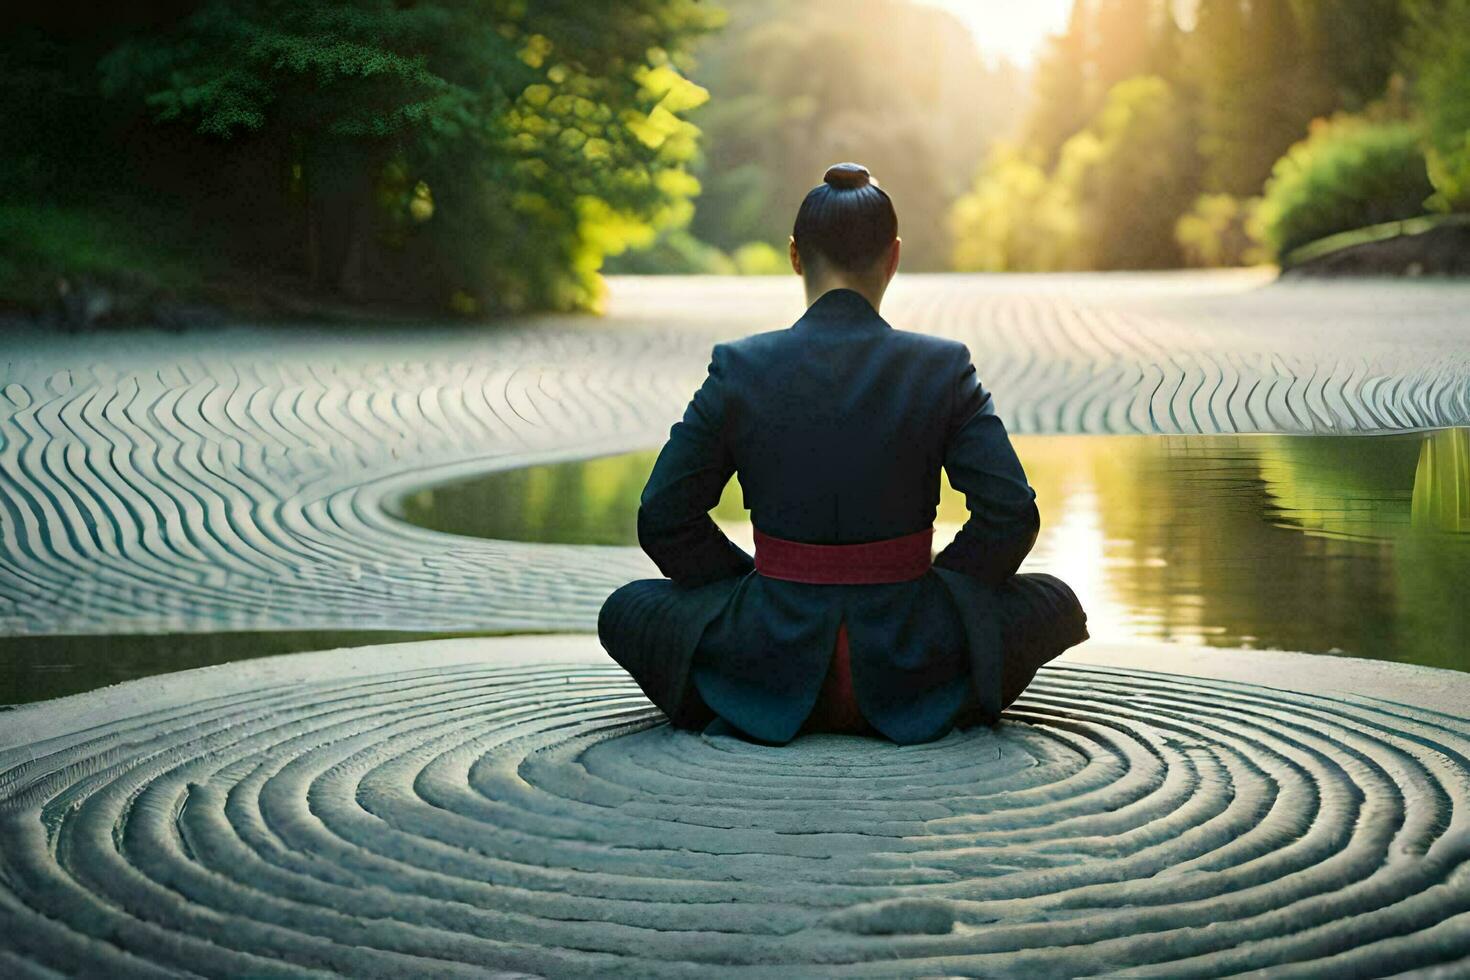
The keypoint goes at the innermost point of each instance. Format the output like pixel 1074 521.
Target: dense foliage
pixel 1130 154
pixel 1220 230
pixel 1086 213
pixel 795 87
pixel 494 155
pixel 1201 114
pixel 1350 172
pixel 1438 55
pixel 481 153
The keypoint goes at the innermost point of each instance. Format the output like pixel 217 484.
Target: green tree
pixel 1110 202
pixel 1152 138
pixel 1014 218
pixel 1060 91
pixel 795 88
pixel 1437 54
pixel 1130 174
pixel 490 151
pixel 1350 45
pixel 1217 232
pixel 1260 86
pixel 1105 42
pixel 1122 39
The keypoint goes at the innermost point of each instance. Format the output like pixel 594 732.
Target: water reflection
pixel 1441 500
pixel 1354 545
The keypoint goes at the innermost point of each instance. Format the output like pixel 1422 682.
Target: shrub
pixel 677 251
pixel 674 252
pixel 1216 232
pixel 46 249
pixel 760 259
pixel 1012 219
pixel 1349 172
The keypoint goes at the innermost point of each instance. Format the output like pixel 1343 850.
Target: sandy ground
pixel 459 806
pixel 234 480
pixel 467 806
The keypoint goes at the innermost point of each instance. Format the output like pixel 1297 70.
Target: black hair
pixel 845 222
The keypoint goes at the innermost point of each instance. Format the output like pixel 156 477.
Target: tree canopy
pixel 1151 138
pixel 895 85
pixel 484 152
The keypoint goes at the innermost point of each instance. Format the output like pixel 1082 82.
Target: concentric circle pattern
pixel 233 479
pixel 541 819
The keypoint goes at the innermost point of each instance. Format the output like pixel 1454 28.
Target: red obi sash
pixel 889 560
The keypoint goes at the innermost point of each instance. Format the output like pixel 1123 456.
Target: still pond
pixel 1357 545
pixel 1354 545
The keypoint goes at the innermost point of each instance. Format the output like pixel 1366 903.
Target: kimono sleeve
pixel 674 525
pixel 982 464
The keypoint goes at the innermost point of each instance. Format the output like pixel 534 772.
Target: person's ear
pixel 893 251
pixel 795 255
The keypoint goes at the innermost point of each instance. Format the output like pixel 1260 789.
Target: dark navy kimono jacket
pixel 838 426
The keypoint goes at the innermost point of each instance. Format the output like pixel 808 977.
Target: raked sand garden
pixel 1200 793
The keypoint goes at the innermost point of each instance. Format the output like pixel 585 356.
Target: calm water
pixel 1357 545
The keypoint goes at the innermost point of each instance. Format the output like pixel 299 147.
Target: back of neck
pixel 873 293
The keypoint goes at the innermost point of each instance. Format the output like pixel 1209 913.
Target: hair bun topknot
pixel 847 175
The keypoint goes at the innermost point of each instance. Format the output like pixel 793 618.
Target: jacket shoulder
pixel 750 348
pixel 756 341
pixel 758 347
pixel 940 346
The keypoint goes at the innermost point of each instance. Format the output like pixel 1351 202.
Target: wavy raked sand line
pixel 448 808
pixel 233 480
